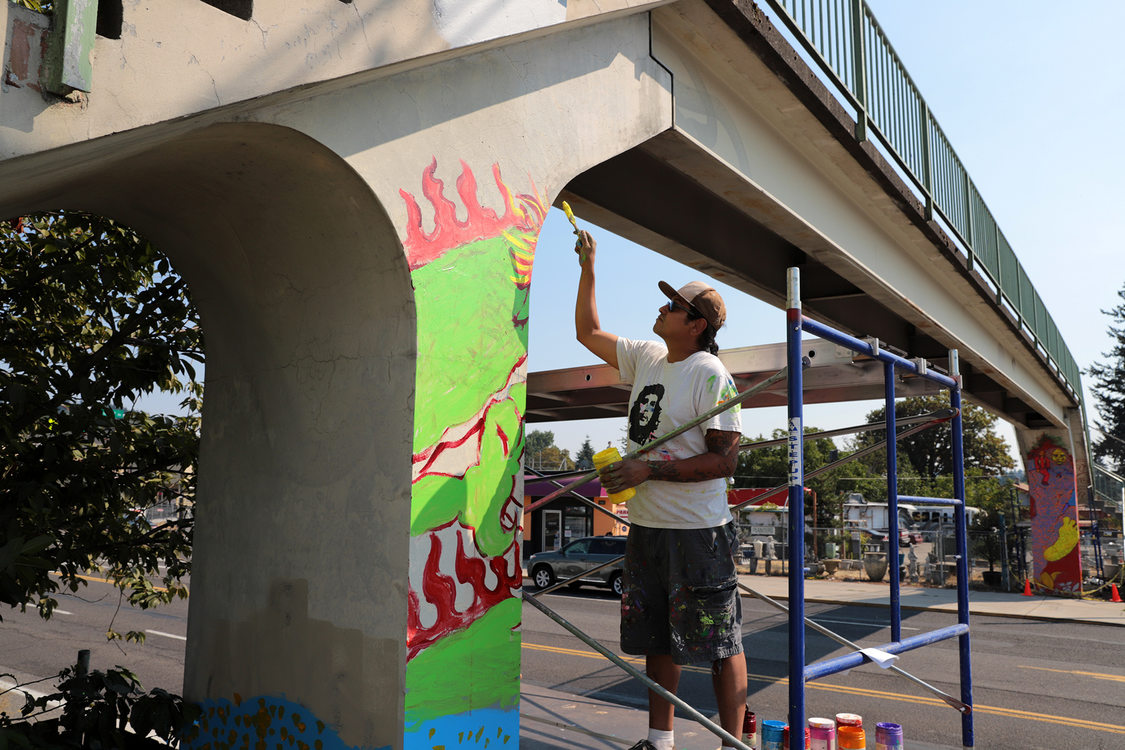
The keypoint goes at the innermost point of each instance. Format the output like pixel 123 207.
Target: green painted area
pixel 467 342
pixel 478 667
pixel 479 496
pixel 472 332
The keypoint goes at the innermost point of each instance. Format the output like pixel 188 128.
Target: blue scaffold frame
pixel 799 672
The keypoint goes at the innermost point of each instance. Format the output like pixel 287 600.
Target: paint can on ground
pixel 785 741
pixel 888 736
pixel 773 734
pixel 750 729
pixel 611 456
pixel 848 720
pixel 822 734
pixel 850 737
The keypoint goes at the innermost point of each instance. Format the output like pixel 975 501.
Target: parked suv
pixel 578 557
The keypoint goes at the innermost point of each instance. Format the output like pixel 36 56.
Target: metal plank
pixel 832 374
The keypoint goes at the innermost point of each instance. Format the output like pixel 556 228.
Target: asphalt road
pixel 31 648
pixel 1036 684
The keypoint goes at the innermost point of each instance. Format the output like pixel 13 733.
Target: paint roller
pixel 574 223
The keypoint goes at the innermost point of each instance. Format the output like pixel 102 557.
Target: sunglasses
pixel 673 305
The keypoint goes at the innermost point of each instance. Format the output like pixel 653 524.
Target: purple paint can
pixel 822 734
pixel 888 736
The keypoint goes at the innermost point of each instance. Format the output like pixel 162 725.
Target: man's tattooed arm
pixel 719 461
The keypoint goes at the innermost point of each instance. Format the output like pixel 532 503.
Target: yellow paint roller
pixel 570 216
pixel 574 223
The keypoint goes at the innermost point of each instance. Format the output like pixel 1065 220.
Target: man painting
pixel 680 603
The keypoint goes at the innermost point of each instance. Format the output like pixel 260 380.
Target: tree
pixel 1109 379
pixel 535 443
pixel 91 317
pixel 769 467
pixel 929 453
pixel 585 457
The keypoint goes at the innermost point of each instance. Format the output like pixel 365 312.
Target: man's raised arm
pixel 586 326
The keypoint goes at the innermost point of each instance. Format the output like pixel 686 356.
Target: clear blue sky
pixel 1031 98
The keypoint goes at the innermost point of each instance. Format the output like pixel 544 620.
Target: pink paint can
pixel 822 734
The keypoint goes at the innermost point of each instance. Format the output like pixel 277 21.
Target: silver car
pixel 578 557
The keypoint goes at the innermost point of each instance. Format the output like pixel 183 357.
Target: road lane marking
pixel 168 635
pixel 95 579
pixel 858 622
pixel 1095 675
pixel 1014 713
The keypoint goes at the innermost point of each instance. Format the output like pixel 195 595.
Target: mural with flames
pixel 1054 517
pixel 472 280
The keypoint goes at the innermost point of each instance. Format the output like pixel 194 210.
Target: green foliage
pixel 1109 379
pixel 91 317
pixel 585 457
pixel 541 453
pixel 769 467
pixel 929 453
pixel 92 710
pixel 537 441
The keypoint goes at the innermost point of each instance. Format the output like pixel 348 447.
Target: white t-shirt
pixel 665 396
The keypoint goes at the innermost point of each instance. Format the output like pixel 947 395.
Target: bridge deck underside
pixel 639 194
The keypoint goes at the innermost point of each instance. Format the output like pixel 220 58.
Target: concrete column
pixel 466 156
pixel 1056 562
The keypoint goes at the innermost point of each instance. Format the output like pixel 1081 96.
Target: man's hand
pixel 585 247
pixel 622 475
pixel 586 326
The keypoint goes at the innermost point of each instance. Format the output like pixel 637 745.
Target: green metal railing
pixel 845 40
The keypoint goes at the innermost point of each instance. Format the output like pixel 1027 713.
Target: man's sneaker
pixel 643 745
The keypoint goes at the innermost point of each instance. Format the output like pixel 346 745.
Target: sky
pixel 1033 101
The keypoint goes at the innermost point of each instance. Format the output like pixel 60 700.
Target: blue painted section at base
pixel 483 728
pixel 262 721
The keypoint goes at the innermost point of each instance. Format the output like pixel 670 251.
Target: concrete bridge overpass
pixel 354 191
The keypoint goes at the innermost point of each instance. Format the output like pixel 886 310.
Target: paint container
pixel 611 456
pixel 848 720
pixel 888 736
pixel 822 734
pixel 784 743
pixel 850 737
pixel 750 730
pixel 773 734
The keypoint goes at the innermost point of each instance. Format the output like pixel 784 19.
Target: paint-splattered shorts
pixel 681 594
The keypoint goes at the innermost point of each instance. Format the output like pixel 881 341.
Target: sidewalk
pixel 553 720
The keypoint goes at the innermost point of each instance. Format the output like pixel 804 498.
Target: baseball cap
pixel 701 298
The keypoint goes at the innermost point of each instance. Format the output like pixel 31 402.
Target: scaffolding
pixel 799 672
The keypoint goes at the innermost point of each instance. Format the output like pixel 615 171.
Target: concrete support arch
pixel 301 548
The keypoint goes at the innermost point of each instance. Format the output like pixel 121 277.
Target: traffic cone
pixel 1027 587
pixel 1114 595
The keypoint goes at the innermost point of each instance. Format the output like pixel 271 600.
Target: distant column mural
pixel 472 281
pixel 1054 517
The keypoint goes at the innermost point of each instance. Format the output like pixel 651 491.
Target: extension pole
pixel 866 427
pixel 727 738
pixel 718 409
pixel 934 419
